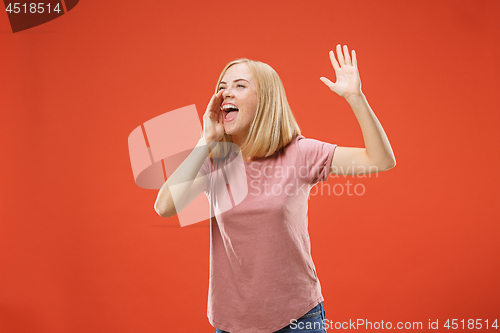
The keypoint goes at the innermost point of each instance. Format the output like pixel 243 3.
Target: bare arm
pixel 377 156
pixel 186 183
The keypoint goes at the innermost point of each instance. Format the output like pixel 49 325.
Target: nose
pixel 227 93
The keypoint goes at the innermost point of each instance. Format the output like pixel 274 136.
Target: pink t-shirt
pixel 261 271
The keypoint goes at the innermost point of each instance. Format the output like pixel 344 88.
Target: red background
pixel 81 247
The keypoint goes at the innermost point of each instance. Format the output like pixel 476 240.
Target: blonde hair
pixel 274 125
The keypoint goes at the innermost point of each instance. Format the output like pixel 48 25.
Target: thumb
pixel 327 82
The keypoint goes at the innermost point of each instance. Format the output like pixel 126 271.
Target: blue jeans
pixel 311 322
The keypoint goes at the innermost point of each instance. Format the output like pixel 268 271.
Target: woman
pixel 262 277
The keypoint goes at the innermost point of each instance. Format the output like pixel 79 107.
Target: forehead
pixel 238 71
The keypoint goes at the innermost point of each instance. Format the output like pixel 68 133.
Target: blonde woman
pixel 262 276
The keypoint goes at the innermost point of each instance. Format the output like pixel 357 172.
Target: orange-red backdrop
pixel 81 248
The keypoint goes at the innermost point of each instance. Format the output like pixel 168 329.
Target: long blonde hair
pixel 274 125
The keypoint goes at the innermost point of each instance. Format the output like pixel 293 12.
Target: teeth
pixel 228 106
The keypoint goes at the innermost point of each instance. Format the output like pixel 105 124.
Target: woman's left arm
pixel 378 155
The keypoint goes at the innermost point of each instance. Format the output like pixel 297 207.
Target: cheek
pixel 254 105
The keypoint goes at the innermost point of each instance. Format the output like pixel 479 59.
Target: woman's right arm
pixel 186 183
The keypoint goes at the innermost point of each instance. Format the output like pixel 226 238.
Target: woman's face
pixel 239 101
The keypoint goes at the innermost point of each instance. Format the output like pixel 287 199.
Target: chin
pixel 229 131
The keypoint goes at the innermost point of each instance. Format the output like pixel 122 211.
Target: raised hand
pixel 213 120
pixel 346 71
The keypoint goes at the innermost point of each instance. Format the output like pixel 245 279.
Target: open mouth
pixel 230 111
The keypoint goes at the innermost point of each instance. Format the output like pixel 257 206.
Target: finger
pixel 215 102
pixel 340 55
pixel 213 110
pixel 354 60
pixel 335 64
pixel 220 113
pixel 210 103
pixel 346 56
pixel 327 82
pixel 219 98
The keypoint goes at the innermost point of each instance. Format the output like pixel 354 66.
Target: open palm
pixel 346 71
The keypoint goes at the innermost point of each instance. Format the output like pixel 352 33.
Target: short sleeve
pixel 317 158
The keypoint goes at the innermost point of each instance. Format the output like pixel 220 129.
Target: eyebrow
pixel 221 82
